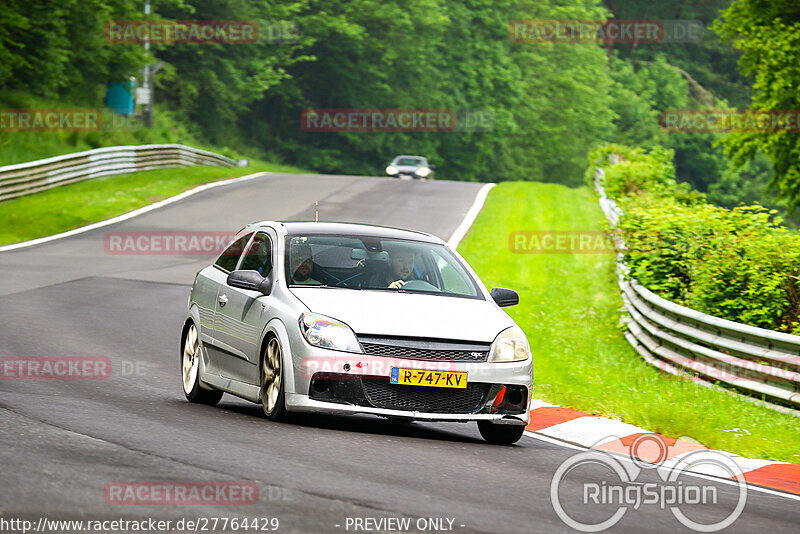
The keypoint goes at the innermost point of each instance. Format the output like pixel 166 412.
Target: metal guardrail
pixel 31 177
pixel 688 343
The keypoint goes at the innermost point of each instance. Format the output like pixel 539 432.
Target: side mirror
pixel 431 165
pixel 505 297
pixel 251 281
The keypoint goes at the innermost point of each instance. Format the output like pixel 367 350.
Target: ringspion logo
pixel 593 490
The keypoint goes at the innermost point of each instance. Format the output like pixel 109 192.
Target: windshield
pixel 373 263
pixel 410 162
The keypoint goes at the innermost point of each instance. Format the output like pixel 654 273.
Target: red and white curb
pixel 618 438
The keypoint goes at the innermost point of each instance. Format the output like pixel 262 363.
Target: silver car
pixel 345 318
pixel 410 167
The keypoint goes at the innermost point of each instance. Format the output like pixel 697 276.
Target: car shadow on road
pixel 365 424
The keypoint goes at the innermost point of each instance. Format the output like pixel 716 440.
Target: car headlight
pixel 510 345
pixel 328 333
pixel 391 169
pixel 423 171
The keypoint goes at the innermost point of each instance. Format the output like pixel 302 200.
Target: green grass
pixel 22 146
pixel 570 309
pixel 116 130
pixel 71 206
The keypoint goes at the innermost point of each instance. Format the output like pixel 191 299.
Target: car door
pixel 241 314
pixel 205 291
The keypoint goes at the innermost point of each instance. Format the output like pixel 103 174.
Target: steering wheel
pixel 420 285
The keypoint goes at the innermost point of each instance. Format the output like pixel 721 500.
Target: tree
pixel 214 85
pixel 768 34
pixel 54 47
pixel 550 101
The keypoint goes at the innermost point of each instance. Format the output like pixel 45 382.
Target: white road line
pixel 470 217
pixel 130 214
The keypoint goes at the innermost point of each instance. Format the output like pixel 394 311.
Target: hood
pixel 408 168
pixel 389 313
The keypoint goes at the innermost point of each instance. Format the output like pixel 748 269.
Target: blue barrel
pixel 119 97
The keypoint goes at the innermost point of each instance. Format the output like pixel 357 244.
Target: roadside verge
pixel 570 309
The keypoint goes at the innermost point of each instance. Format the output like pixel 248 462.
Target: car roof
pixel 409 156
pixel 349 229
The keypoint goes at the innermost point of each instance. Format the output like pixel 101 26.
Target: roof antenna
pixel 316 211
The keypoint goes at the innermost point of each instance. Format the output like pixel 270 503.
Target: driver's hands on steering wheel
pixel 397 284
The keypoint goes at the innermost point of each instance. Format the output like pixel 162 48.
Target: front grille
pixel 425 350
pixel 383 394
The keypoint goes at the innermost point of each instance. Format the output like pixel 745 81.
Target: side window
pixel 259 255
pixel 228 259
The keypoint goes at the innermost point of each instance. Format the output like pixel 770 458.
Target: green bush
pixel 740 264
pixel 632 172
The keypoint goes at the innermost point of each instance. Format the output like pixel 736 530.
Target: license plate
pixel 437 379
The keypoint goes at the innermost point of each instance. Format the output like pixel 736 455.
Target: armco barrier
pixel 26 178
pixel 685 342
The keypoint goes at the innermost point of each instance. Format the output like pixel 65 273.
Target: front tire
pixel 190 369
pixel 272 386
pixel 500 434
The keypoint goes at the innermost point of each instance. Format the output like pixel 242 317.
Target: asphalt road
pixel 63 441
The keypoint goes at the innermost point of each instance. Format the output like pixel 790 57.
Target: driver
pixel 301 264
pixel 401 265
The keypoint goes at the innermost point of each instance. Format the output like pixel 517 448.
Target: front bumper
pixel 304 403
pixel 408 176
pixel 358 371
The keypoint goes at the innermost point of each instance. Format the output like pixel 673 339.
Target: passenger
pixel 301 264
pixel 263 258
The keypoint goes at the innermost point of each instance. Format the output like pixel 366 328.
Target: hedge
pixel 740 264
